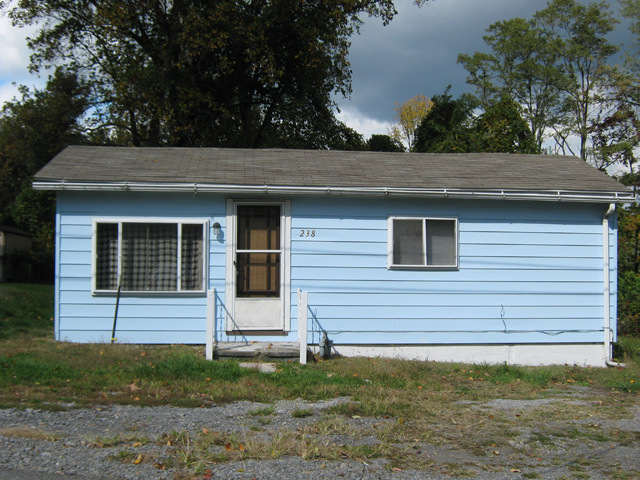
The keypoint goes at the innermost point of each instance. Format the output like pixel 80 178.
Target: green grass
pixel 627 349
pixel 25 309
pixel 35 370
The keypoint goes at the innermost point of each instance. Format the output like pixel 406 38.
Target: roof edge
pixel 504 194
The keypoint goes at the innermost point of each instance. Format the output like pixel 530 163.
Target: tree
pixel 502 129
pixel 408 118
pixel 451 127
pixel 554 65
pixel 384 143
pixel 578 37
pixel 521 65
pixel 447 126
pixel 616 131
pixel 32 131
pixel 195 73
pixel 629 263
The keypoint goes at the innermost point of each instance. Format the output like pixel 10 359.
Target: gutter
pixel 608 333
pixel 493 194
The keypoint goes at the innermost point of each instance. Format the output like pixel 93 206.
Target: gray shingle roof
pixel 306 168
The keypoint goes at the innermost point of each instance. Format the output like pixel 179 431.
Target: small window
pixel 423 242
pixel 149 256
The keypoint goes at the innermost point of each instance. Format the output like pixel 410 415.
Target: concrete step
pixel 264 350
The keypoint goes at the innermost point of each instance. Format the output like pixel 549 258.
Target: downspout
pixel 608 334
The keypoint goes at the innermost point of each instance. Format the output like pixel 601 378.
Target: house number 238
pixel 307 233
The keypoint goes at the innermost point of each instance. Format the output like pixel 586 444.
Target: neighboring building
pixel 467 257
pixel 13 242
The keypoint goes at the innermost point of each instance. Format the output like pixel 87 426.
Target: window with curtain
pixel 149 257
pixel 423 242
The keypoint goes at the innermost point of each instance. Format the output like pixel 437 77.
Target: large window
pixel 423 242
pixel 149 256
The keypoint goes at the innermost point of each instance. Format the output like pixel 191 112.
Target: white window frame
pixel 178 221
pixel 423 266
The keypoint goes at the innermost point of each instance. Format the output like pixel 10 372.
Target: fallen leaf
pixel 356 416
pixel 137 460
pixel 515 470
pixel 241 447
pixel 496 452
pixel 228 446
pixel 205 431
pixel 133 387
pixel 137 444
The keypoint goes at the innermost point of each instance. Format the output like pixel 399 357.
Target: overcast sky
pixel 415 53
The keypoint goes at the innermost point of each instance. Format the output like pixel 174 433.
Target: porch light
pixel 216 229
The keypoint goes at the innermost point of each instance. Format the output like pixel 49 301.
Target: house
pixel 13 244
pixel 453 257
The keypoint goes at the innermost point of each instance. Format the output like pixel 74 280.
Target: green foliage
pixel 384 143
pixel 629 303
pixel 450 127
pixel 502 129
pixel 235 74
pixel 447 125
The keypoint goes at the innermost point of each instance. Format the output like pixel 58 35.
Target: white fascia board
pixel 493 194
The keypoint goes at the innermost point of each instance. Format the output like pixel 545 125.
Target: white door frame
pixel 285 260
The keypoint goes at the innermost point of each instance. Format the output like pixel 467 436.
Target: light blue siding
pixel 528 273
pixel 141 318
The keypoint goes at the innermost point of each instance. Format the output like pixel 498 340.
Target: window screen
pixel 107 256
pixel 424 242
pixel 258 251
pixel 441 242
pixel 192 251
pixel 408 244
pixel 155 257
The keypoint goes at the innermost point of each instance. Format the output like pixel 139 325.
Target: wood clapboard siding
pixel 529 272
pixel 150 318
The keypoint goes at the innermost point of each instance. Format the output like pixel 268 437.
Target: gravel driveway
pixel 105 442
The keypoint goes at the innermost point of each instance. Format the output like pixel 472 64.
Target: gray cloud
pixel 417 51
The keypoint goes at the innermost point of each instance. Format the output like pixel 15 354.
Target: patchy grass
pixel 263 412
pixel 28 433
pixel 396 407
pixel 302 413
pixel 39 372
